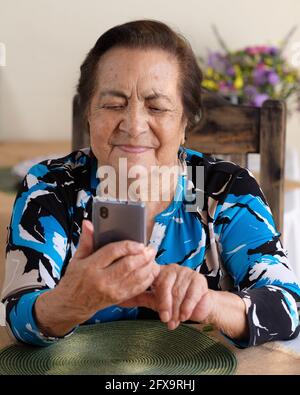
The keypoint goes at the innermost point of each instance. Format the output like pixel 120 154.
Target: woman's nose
pixel 134 122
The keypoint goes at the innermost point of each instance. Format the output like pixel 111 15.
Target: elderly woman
pixel 222 263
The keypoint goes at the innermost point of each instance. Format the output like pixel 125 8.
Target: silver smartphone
pixel 116 220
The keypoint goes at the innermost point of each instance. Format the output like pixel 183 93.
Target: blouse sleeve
pixel 252 253
pixel 36 251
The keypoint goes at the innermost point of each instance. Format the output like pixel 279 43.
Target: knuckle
pixel 187 304
pixel 201 280
pixel 129 264
pixel 176 292
pixel 137 276
pixel 173 267
pixel 127 245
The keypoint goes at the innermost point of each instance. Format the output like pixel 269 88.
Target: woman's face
pixel 136 111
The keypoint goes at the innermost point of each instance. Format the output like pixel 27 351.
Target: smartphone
pixel 116 220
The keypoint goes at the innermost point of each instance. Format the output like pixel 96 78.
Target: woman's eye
pixel 114 107
pixel 157 109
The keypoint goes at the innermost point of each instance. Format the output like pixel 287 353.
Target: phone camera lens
pixel 103 212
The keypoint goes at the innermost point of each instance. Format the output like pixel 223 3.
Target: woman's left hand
pixel 178 294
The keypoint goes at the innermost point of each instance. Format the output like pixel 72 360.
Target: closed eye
pixel 114 107
pixel 157 109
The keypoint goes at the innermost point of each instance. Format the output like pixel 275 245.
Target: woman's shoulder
pixel 60 172
pixel 211 163
pixel 222 177
pixel 70 162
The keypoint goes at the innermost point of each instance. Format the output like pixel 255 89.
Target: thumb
pixel 86 244
pixel 145 299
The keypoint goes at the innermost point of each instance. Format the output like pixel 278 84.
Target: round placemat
pixel 123 347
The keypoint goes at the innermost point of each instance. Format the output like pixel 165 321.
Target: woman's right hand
pixel 95 280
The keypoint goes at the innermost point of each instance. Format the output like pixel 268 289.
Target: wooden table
pixel 269 359
pixel 13 152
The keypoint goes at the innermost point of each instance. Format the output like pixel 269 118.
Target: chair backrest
pixel 234 130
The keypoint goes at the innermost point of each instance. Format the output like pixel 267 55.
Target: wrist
pixel 228 314
pixel 212 301
pixel 68 304
pixel 54 315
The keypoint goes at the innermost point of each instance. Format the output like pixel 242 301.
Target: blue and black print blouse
pixel 232 240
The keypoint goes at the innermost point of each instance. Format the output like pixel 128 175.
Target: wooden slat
pixel 225 128
pixel 80 135
pixel 272 149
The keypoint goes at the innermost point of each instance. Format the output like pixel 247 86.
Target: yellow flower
pixel 209 72
pixel 269 61
pixel 209 84
pixel 238 82
pixel 216 76
pixel 290 78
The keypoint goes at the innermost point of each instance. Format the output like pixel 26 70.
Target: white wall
pixel 46 41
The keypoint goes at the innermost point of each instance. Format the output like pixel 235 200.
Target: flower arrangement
pixel 252 75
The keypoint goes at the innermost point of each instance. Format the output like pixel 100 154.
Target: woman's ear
pixel 183 139
pixel 185 123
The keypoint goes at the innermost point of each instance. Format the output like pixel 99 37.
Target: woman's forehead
pixel 121 67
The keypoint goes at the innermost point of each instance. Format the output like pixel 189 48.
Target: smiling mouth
pixel 137 149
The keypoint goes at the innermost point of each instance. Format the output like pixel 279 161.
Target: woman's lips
pixel 137 149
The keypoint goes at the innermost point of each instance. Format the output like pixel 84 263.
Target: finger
pixel 85 246
pixel 136 283
pixel 163 292
pixel 145 299
pixel 173 324
pixel 204 307
pixel 179 290
pixel 106 255
pixel 193 295
pixel 140 280
pixel 127 265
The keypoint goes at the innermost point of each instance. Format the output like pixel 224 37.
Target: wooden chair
pixel 234 130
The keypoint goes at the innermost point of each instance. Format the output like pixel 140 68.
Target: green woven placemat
pixel 123 347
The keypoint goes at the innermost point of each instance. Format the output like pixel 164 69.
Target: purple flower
pixel 230 71
pixel 259 99
pixel 217 62
pixel 273 51
pixel 273 78
pixel 259 76
pixel 250 91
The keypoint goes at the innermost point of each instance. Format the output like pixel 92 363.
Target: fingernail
pixel 151 249
pixel 164 316
pixel 88 224
pixel 172 325
pixel 182 317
